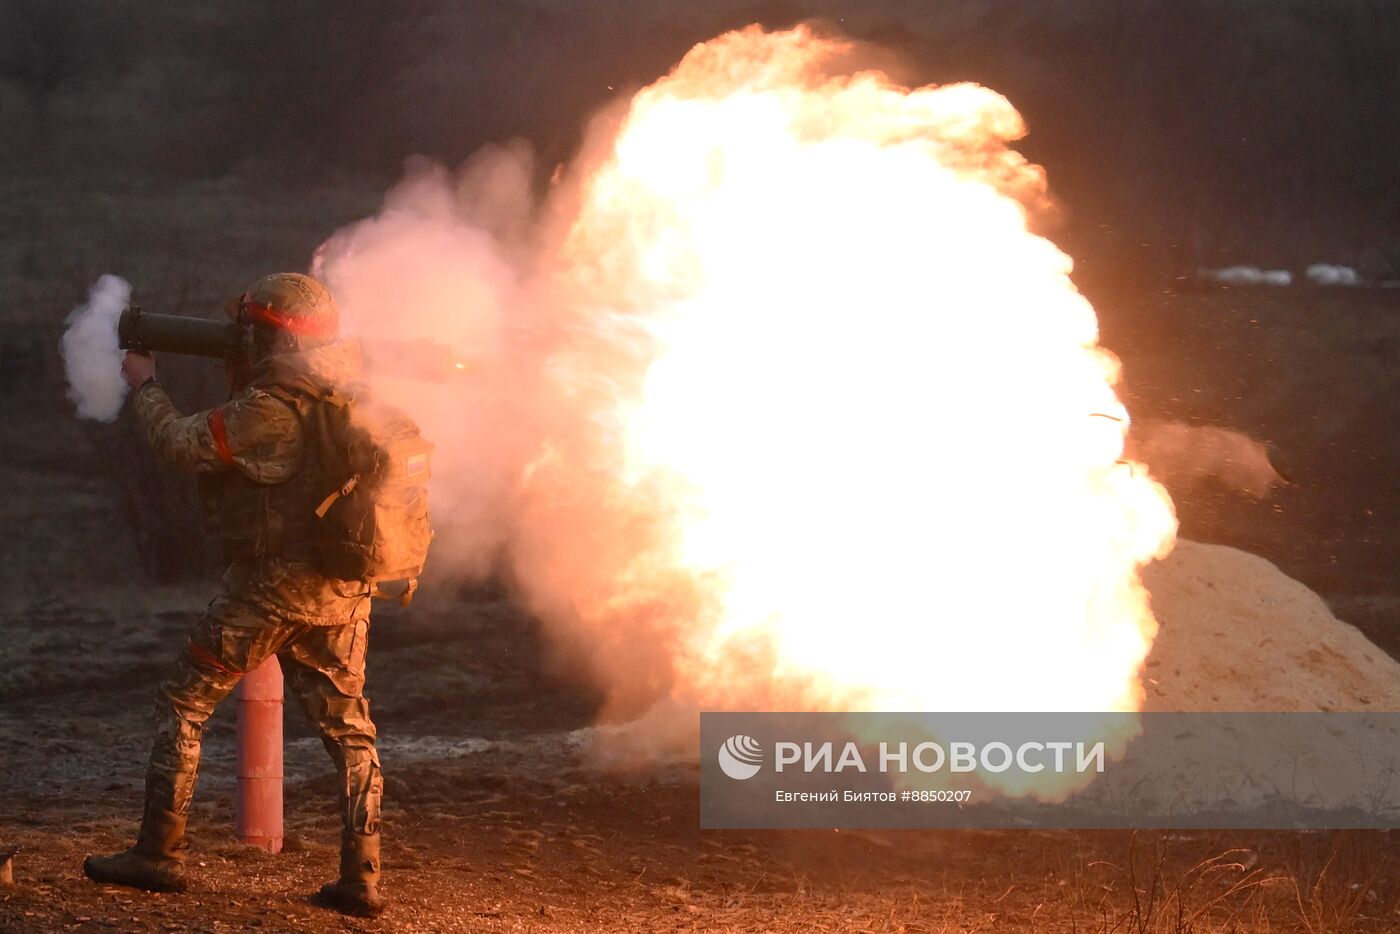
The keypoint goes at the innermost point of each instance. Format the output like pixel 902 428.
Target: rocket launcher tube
pixel 402 359
pixel 140 331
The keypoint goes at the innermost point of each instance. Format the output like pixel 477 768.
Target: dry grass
pixel 611 868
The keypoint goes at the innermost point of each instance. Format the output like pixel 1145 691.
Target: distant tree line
pixel 1176 132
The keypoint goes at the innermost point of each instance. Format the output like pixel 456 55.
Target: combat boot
pixel 357 891
pixel 156 863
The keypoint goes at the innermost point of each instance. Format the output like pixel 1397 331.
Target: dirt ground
pixel 495 819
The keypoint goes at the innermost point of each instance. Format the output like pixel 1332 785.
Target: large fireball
pixel 840 432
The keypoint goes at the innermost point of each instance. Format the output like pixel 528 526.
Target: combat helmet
pixel 287 311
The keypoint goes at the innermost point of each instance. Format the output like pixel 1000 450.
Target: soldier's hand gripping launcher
pixel 224 340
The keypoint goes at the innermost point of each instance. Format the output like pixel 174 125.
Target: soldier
pixel 263 477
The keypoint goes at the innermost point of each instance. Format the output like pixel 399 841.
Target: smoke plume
pixel 446 259
pixel 91 358
pixel 1184 454
pixel 756 416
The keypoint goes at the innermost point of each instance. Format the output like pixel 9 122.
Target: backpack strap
pixel 303 397
pixel 298 401
pixel 344 490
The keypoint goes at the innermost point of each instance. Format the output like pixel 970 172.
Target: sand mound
pixel 1238 634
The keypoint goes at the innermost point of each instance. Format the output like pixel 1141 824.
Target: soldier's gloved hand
pixel 137 368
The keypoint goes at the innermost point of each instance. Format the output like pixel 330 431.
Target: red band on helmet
pixel 308 327
pixel 220 435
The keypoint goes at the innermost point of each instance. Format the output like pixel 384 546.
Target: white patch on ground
pixel 1327 274
pixel 1249 275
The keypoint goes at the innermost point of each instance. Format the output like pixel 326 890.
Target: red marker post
pixel 257 811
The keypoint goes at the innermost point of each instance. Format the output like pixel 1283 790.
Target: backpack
pixel 373 526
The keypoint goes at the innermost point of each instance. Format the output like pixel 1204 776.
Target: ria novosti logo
pixel 740 757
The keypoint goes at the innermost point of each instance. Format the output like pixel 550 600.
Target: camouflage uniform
pixel 273 602
pixel 263 481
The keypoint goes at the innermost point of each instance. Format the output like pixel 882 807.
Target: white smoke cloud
pixel 445 260
pixel 91 358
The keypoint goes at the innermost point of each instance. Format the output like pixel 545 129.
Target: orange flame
pixel 775 402
pixel 844 443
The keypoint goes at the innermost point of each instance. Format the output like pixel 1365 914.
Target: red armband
pixel 220 436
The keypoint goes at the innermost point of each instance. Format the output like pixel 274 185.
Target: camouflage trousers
pixel 323 667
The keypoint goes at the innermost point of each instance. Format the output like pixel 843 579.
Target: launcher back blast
pixel 221 340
